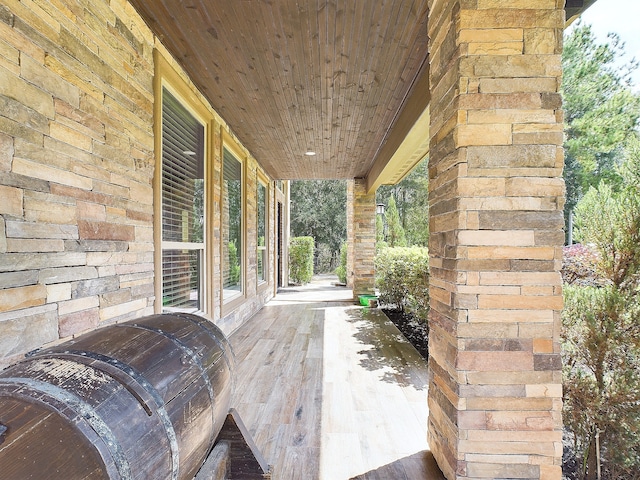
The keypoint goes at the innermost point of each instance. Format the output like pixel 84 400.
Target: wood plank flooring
pixel 332 391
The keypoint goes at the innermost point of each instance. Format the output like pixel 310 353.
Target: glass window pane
pixel 262 213
pixel 231 224
pixel 182 206
pixel 262 231
pixel 181 273
pixel 182 173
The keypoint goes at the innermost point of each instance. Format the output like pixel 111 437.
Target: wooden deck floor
pixel 332 391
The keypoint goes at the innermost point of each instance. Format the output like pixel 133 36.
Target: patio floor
pixel 332 391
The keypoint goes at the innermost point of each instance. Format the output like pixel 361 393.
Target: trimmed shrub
pixel 301 251
pixel 402 278
pixel 341 271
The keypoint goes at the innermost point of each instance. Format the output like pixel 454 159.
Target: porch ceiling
pixel 347 80
pixel 290 76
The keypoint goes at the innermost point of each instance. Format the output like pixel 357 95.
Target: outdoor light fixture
pixel 309 153
pixel 380 209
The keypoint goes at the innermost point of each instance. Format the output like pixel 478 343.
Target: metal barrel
pixel 143 399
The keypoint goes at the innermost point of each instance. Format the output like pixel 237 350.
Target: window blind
pixel 182 205
pixel 232 224
pixel 182 173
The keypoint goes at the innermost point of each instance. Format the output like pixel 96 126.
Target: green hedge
pixel 301 250
pixel 341 271
pixel 402 278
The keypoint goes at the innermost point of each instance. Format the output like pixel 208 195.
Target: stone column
pixel 361 237
pixel 350 231
pixel 496 199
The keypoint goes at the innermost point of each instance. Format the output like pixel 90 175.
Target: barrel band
pixel 223 343
pixel 84 411
pixel 213 332
pixel 194 358
pixel 114 368
pixel 185 348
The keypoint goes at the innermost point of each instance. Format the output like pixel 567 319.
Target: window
pixel 182 207
pixel 261 217
pixel 232 246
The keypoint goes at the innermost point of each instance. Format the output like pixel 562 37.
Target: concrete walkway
pixel 332 391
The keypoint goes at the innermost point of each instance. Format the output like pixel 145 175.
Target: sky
pixel 621 17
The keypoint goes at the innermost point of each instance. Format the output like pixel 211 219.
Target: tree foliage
pixel 395 236
pixel 602 386
pixel 601 334
pixel 341 270
pixel 611 221
pixel 411 196
pixel 234 266
pixel 601 110
pixel 318 210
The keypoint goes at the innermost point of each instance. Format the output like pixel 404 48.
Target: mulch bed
pixel 416 332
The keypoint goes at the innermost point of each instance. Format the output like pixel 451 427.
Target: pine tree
pixel 601 111
pixel 395 233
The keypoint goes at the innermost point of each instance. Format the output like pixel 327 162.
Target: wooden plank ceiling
pixel 296 75
pixel 345 79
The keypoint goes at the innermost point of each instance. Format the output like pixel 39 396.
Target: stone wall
pixel 496 199
pixel 350 231
pixel 76 173
pixel 76 236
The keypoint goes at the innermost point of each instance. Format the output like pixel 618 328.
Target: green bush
pixel 601 332
pixel 341 271
pixel 402 278
pixel 601 353
pixel 301 251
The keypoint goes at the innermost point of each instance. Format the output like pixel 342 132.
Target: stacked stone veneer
pixel 361 236
pixel 496 234
pixel 76 174
pixel 350 231
pixel 76 164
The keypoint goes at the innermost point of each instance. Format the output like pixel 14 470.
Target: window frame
pixel 166 78
pixel 262 180
pixel 186 246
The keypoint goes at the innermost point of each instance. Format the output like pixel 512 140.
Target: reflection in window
pixel 182 206
pixel 231 225
pixel 181 279
pixel 262 231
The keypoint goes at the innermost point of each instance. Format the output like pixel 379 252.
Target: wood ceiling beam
pixel 575 8
pixel 415 104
